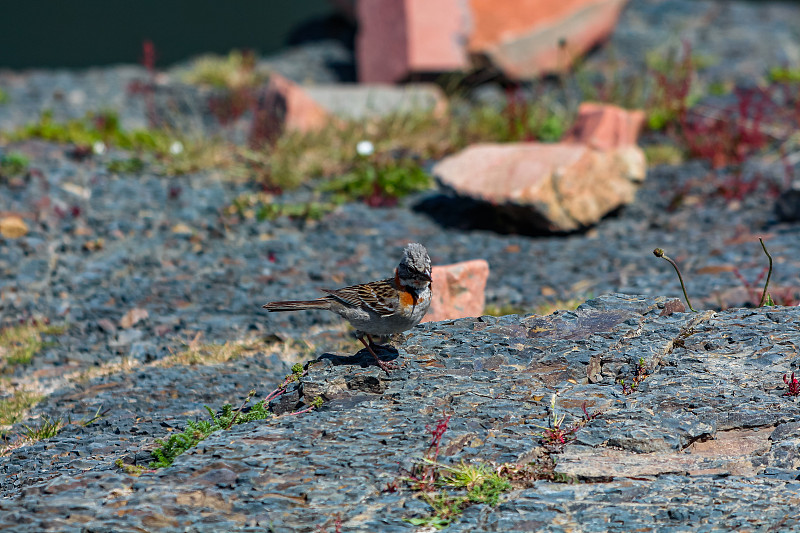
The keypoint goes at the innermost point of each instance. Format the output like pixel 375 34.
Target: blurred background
pixel 46 34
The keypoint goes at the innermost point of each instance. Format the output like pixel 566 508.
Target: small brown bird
pixel 384 307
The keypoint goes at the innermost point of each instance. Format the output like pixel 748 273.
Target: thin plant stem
pixel 658 252
pixel 302 411
pixel 769 274
pixel 274 394
pixel 238 411
pixel 316 403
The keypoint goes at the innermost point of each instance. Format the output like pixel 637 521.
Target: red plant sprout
pixel 269 188
pixel 556 436
pixel 753 289
pixel 148 57
pixel 673 87
pixel 436 435
pixel 728 135
pixel 424 474
pixel 80 152
pixel 736 187
pixel 268 110
pixel 785 296
pixel 337 525
pixel 516 113
pixel 228 107
pixel 732 134
pixel 147 88
pixel 297 373
pixel 35 322
pixel 379 199
pixel 315 404
pixel 641 375
pixel 793 384
pixel 235 101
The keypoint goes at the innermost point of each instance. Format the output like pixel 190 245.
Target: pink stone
pixel 286 106
pixel 605 126
pixel 400 37
pixel 557 187
pixel 527 38
pixel 458 290
pixel 133 317
pixel 435 35
pixel 523 38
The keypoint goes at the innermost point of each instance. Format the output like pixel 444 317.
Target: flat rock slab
pixel 707 441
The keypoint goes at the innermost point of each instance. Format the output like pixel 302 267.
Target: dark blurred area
pixel 48 34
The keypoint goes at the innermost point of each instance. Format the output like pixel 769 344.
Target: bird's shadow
pixel 362 358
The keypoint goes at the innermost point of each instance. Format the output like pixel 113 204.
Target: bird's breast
pixel 408 298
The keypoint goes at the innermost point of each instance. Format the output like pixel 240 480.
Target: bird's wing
pixel 378 296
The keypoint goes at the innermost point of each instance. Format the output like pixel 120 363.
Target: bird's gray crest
pixel 415 259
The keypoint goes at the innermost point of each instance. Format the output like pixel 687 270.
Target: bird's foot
pixel 385 365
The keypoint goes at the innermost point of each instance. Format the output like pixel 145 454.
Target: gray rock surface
pixel 360 102
pixel 707 441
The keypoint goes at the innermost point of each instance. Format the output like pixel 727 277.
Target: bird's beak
pixel 427 277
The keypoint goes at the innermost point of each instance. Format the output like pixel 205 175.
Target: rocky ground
pixel 707 441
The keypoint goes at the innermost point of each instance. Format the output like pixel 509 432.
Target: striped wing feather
pixel 379 296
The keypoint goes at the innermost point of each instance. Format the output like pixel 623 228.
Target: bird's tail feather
pixel 298 305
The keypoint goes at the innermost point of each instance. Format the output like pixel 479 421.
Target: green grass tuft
pixel 379 180
pixel 261 206
pixel 18 344
pixel 518 121
pixel 133 165
pixel 49 428
pixel 784 74
pixel 483 483
pixel 236 70
pixel 663 154
pixel 13 408
pixel 13 164
pixel 95 127
pixel 197 431
pixel 131 470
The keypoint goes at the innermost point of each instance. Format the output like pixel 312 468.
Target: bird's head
pixel 414 269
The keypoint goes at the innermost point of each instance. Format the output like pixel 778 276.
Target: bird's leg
pixel 374 344
pixel 371 342
pixel 385 366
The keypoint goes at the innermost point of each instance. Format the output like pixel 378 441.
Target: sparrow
pixel 383 307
